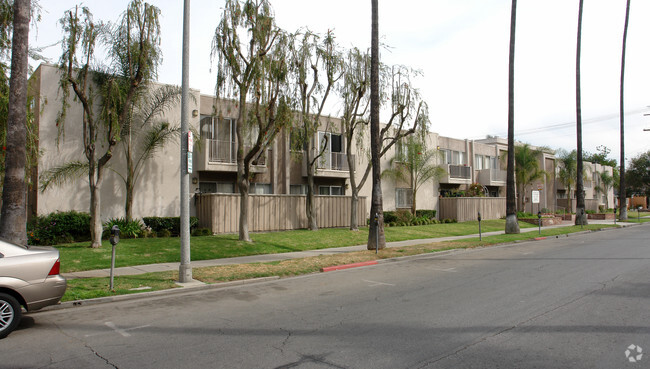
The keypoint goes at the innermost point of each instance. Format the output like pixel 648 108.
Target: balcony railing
pixel 334 161
pixel 460 172
pixel 226 152
pixel 498 175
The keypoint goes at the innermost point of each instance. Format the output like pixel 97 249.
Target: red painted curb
pixel 348 266
pixel 539 238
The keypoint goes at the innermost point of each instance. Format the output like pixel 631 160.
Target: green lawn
pixel 78 256
pixel 79 289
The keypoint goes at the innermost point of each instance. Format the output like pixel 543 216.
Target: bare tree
pixel 512 226
pixel 13 217
pixel 311 56
pixel 251 68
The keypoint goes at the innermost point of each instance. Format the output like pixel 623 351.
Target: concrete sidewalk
pixel 163 267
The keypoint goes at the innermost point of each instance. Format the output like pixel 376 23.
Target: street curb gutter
pixel 142 295
pixel 348 266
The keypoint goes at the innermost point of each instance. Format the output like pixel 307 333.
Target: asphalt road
pixel 576 302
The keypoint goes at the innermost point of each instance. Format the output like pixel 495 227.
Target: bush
pixel 172 224
pixel 164 233
pixel 202 232
pixel 390 217
pixel 59 227
pixel 132 229
pixel 428 214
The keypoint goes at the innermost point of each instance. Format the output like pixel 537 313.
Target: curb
pixel 143 295
pixel 348 266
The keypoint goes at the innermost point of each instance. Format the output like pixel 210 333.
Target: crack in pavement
pixel 86 345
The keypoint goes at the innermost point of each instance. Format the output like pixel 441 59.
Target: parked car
pixel 29 277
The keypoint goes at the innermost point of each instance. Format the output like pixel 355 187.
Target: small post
pixel 114 240
pixel 614 214
pixel 480 236
pixel 638 213
pixel 377 234
pixel 539 222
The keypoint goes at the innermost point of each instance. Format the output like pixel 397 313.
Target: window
pixel 403 197
pixel 330 190
pixel 260 189
pixel 216 187
pixel 455 157
pixel 300 189
pixel 478 162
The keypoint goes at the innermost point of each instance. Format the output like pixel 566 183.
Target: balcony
pixel 457 174
pixel 330 164
pixel 492 177
pixel 221 156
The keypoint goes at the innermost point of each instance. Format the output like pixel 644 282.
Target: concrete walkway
pixel 163 267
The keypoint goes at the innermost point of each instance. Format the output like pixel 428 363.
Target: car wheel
pixel 9 314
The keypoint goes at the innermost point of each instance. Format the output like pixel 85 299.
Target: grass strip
pixel 80 289
pixel 130 252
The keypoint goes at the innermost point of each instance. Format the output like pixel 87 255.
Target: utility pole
pixel 185 269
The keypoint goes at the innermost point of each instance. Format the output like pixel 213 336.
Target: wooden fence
pixel 464 209
pixel 220 212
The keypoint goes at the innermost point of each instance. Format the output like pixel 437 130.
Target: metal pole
pixel 185 269
pixel 112 268
pixel 480 235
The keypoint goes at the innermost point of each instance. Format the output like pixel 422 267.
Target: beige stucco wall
pixel 157 192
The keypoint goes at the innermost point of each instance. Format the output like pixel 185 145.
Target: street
pixel 571 302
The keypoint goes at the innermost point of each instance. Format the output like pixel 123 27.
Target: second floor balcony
pixel 221 156
pixel 492 177
pixel 457 174
pixel 330 164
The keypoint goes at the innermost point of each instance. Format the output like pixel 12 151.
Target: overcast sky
pixel 461 46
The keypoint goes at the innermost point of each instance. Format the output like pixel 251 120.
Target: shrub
pixel 404 216
pixel 172 224
pixel 128 229
pixel 164 233
pixel 601 208
pixel 428 214
pixel 390 217
pixel 202 232
pixel 59 227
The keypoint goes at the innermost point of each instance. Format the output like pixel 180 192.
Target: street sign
pixel 540 186
pixel 190 142
pixel 189 162
pixel 535 195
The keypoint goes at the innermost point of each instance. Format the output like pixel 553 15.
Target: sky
pixel 461 47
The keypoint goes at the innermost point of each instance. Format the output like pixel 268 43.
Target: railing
pixel 497 175
pixel 334 161
pixel 226 152
pixel 460 172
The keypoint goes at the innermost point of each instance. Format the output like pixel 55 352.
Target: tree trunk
pixel 312 221
pixel 130 187
pixel 95 217
pixel 621 192
pixel 581 216
pixel 354 208
pixel 243 183
pixel 376 239
pixel 13 216
pixel 512 226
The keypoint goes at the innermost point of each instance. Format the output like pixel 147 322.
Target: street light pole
pixel 185 269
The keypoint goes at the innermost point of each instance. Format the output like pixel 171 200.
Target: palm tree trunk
pixel 376 237
pixel 13 218
pixel 581 216
pixel 622 195
pixel 511 202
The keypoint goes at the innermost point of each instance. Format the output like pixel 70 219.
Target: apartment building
pixel 279 170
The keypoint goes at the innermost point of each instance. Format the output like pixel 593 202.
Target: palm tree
pixel 415 165
pixel 621 193
pixel 13 217
pixel 376 237
pixel 511 203
pixel 527 170
pixel 567 173
pixel 581 216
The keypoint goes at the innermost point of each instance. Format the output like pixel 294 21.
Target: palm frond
pixel 59 175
